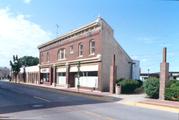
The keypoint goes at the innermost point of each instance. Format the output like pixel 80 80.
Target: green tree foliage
pixel 29 61
pixel 172 90
pixel 151 87
pixel 128 86
pixel 15 66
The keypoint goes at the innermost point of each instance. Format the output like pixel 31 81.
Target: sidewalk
pixel 73 90
pixel 98 95
pixel 142 101
pixel 165 105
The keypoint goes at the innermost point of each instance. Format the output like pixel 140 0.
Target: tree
pixel 4 72
pixel 29 61
pixel 15 66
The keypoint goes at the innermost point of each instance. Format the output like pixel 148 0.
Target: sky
pixel 142 27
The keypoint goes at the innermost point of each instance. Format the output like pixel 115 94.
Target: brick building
pixel 88 49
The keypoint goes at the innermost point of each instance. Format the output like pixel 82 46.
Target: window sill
pixel 61 59
pixel 93 54
pixel 80 56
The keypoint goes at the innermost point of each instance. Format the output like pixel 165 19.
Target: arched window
pixel 47 57
pixel 80 49
pixel 61 54
pixel 71 49
pixel 41 57
pixel 92 47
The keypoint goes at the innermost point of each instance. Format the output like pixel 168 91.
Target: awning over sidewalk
pixel 92 67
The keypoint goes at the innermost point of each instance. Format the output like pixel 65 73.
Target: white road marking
pixel 37 106
pixel 41 98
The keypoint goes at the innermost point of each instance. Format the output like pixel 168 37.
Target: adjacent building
pixel 88 51
pixel 172 75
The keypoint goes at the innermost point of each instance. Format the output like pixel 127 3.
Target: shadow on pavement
pixel 78 99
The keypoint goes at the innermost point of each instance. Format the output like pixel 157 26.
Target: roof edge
pixel 89 25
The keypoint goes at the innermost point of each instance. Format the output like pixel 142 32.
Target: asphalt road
pixel 28 102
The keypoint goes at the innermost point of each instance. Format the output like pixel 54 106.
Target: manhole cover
pixel 37 106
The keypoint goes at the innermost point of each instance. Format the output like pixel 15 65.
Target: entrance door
pixel 71 81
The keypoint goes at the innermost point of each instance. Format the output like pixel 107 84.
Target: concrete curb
pixel 152 106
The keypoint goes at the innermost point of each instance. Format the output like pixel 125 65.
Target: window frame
pixel 47 56
pixel 71 49
pixel 80 49
pixel 59 54
pixel 92 49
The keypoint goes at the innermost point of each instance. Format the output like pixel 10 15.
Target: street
pixel 21 102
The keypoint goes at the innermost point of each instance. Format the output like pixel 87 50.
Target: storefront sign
pixel 44 70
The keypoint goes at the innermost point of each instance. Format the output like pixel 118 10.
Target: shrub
pixel 172 90
pixel 119 80
pixel 172 94
pixel 172 82
pixel 140 83
pixel 128 86
pixel 151 87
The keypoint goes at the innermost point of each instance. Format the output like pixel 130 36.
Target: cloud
pixel 18 35
pixel 27 1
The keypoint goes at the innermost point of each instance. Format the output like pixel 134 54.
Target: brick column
pixel 100 88
pixel 67 75
pixel 54 76
pixel 50 75
pixel 164 75
pixel 39 77
pixel 113 69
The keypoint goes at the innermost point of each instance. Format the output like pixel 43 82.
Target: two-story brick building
pixel 88 49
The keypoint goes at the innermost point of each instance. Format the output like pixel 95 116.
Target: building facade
pixel 172 75
pixel 29 74
pixel 83 58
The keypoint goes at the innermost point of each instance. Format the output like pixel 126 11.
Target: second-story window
pixel 41 57
pixel 47 57
pixel 92 47
pixel 80 49
pixel 61 54
pixel 71 49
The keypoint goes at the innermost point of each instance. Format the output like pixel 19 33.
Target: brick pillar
pixel 112 83
pixel 100 87
pixel 67 75
pixel 54 76
pixel 164 75
pixel 50 75
pixel 39 77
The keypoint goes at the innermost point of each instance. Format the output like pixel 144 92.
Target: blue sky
pixel 142 27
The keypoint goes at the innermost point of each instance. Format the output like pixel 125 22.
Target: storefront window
pixel 61 74
pixel 45 77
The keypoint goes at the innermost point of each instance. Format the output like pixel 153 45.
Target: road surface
pixel 29 102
